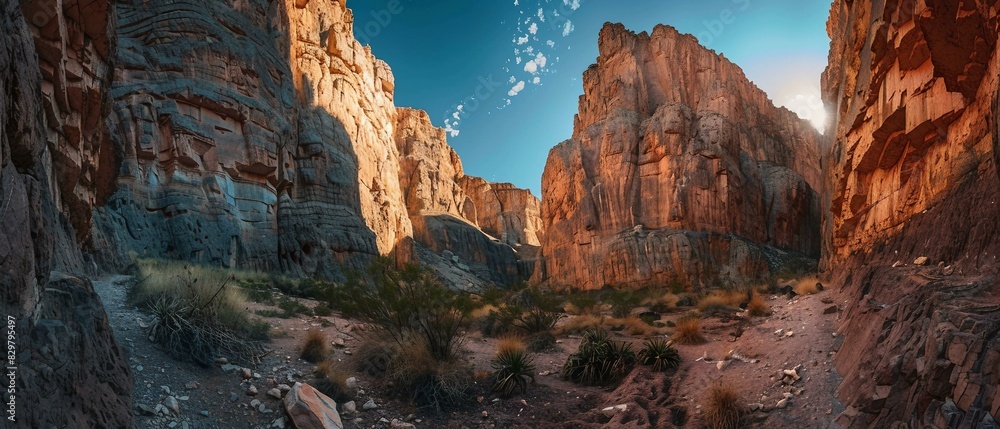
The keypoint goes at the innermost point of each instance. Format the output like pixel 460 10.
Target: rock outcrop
pixel 52 90
pixel 262 135
pixel 679 170
pixel 912 172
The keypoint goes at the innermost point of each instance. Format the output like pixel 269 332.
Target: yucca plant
pixel 657 353
pixel 512 370
pixel 599 361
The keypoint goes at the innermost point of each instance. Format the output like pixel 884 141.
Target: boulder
pixel 310 409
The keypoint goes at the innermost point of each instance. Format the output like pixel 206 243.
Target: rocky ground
pixel 799 335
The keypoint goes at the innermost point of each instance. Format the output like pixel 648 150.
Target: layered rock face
pixel 54 56
pixel 262 135
pixel 679 170
pixel 915 88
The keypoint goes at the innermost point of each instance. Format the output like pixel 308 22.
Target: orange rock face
pixel 679 170
pixel 912 173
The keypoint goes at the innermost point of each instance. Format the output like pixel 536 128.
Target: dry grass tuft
pixel 724 408
pixel 332 381
pixel 758 306
pixel 636 326
pixel 806 286
pixel 662 303
pixel 510 344
pixel 314 347
pixel 688 331
pixel 580 324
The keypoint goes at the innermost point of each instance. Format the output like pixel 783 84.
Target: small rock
pixel 191 385
pixel 255 403
pixel 284 388
pixel 370 405
pixel 339 343
pixel 782 403
pixel 755 407
pixel 789 333
pixel 172 405
pixel 221 361
pixel 274 393
pixel 350 407
pixel 831 309
pixel 722 364
pixel 486 415
pixel 161 410
pixel 184 398
pixel 399 424
pixel 949 270
pixel 229 367
pixel 611 411
pixel 347 352
pixel 138 368
pixel 545 373
pixel 204 413
pixel 921 261
pixel 247 374
pixel 146 410
pixel 165 389
pixel 351 382
pixel 383 420
pixel 252 391
pixel 233 397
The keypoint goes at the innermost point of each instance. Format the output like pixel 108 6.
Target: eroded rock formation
pixel 913 173
pixel 54 56
pixel 679 170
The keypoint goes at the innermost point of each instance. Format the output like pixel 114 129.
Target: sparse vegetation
pixel 428 382
pixel 806 286
pixel 513 367
pixel 724 408
pixel 314 347
pixel 658 354
pixel 757 307
pixel 688 331
pixel 722 301
pixel 332 382
pixel 581 324
pixel 199 314
pixel 599 361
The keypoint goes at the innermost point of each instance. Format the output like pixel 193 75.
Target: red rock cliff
pixel 679 170
pixel 912 173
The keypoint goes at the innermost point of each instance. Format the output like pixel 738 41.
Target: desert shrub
pixel 429 383
pixel 512 367
pixel 199 313
pixel 724 408
pixel 540 342
pixel 757 306
pixel 582 303
pixel 373 356
pixel 322 310
pixel 408 305
pixel 722 301
pixel 314 347
pixel 599 361
pixel 662 303
pixel 332 381
pixel 658 354
pixel 688 331
pixel 622 302
pixel 806 286
pixel 529 311
pixel 634 325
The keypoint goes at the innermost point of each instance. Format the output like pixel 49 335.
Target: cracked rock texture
pixel 914 87
pixel 679 171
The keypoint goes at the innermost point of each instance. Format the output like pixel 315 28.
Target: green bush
pixel 659 355
pixel 512 370
pixel 407 305
pixel 599 361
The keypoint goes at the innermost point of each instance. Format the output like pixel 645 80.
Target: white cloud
pixel 517 60
pixel 533 29
pixel 550 43
pixel 531 67
pixel 540 60
pixel 512 79
pixel 536 80
pixel 568 28
pixel 522 40
pixel 573 4
pixel 516 89
pixel 541 14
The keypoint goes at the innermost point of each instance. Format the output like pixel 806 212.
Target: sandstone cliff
pixel 679 170
pixel 262 135
pixel 54 57
pixel 913 173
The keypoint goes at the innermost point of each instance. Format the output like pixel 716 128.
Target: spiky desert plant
pixel 314 347
pixel 724 408
pixel 512 367
pixel 657 353
pixel 599 361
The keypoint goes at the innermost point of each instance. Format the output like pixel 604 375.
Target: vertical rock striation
pixel 679 170
pixel 912 172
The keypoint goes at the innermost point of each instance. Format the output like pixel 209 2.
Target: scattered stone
pixel 370 405
pixel 138 368
pixel 284 388
pixel 252 391
pixel 949 270
pixel 165 389
pixel 247 374
pixel 172 405
pixel 191 385
pixel 831 309
pixel 351 382
pixel 789 333
pixel 255 403
pixel 722 364
pixel 310 409
pixel 184 398
pixel 350 407
pixel 229 367
pixel 274 393
pixel 611 411
pixel 263 408
pixel 399 424
pixel 383 421
pixel 347 352
pixel 278 423
pixel 921 261
pixel 204 413
pixel 755 407
pixel 339 343
pixel 233 397
pixel 486 415
pixel 221 361
pixel 146 410
pixel 782 403
pixel 161 410
pixel 545 373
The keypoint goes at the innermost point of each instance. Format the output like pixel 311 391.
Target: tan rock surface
pixel 310 409
pixel 912 173
pixel 679 170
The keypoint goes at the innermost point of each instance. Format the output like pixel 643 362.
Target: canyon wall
pixel 914 87
pixel 261 135
pixel 679 171
pixel 54 57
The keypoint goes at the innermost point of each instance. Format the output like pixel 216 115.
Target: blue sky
pixel 470 60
